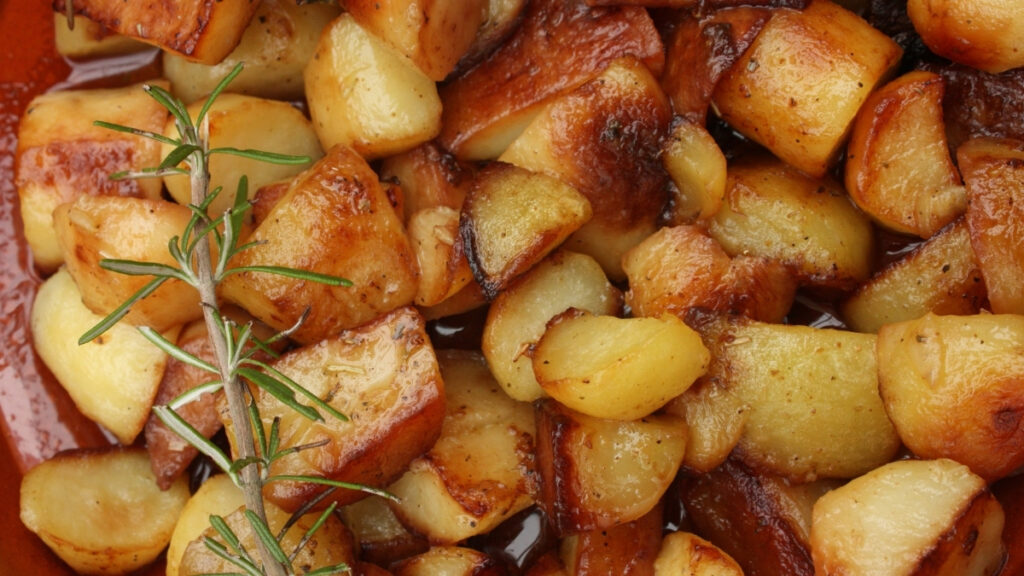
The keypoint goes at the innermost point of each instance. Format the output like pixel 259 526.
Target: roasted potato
pixel 983 35
pixel 686 554
pixel 698 170
pixel 629 548
pixel 381 537
pixel 449 561
pixel 218 495
pixel 88 39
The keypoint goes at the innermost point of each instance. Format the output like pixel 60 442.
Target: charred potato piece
pixel 558 46
pixel 611 125
pixel 956 528
pixel 384 377
pixel 513 218
pixel 798 87
pixel 335 219
pixel 519 315
pixel 898 167
pixel 481 471
pixel 61 155
pixel 629 548
pixel 951 385
pixel 101 511
pixel 994 173
pixel 200 30
pixel 598 473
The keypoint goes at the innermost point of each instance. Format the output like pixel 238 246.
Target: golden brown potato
pixel 952 387
pixel 686 554
pixel 774 210
pixel 940 276
pixel 112 379
pixel 984 35
pixel 481 471
pixel 993 171
pixel 617 368
pixel 101 511
pixel 898 168
pixel 200 30
pixel 809 398
pixel 500 20
pixel 364 94
pixel 798 87
pixel 955 529
pixel 335 219
pixel 93 228
pixel 604 139
pixel 61 155
pixel 444 270
pixel 381 537
pixel 558 46
pixel 513 218
pixel 429 177
pixel 762 521
pixel 449 561
pixel 90 39
pixel 628 549
pixel 519 315
pixel 698 170
pixel 598 473
pixel 274 48
pixel 218 495
pixel 330 545
pixel 434 34
pixel 681 268
pixel 384 377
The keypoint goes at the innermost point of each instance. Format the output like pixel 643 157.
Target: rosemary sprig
pixel 235 347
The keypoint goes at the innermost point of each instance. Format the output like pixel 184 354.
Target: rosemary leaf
pixel 312 530
pixel 287 381
pixel 176 352
pixel 293 273
pixel 179 426
pixel 136 132
pixel 136 268
pixel 263 156
pixel 336 483
pixel 173 105
pixel 121 311
pixel 263 533
pixel 194 393
pixel 217 548
pixel 221 86
pixel 178 155
pixel 280 391
pixel 327 570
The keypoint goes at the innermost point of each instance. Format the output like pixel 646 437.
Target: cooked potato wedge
pixel 429 177
pixel 809 398
pixel 218 495
pixel 501 18
pixel 201 30
pixel 898 167
pixel 513 218
pixel 364 94
pixel 993 171
pixel 617 368
pixel 335 219
pixel 444 270
pixel 940 276
pixel 798 87
pixel 698 170
pixel 384 377
pixel 984 35
pixel 952 387
pixel 598 473
pixel 558 46
pixel 275 47
pixel 612 124
pixel 449 561
pixel 481 470
pixel 956 528
pixel 61 155
pixel 686 554
pixel 519 315
pixel 101 511
pixel 330 545
pixel 678 269
pixel 94 228
pixel 628 548
pixel 112 379
pixel 774 210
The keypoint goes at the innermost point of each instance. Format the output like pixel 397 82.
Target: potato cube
pixel 686 554
pixel 364 94
pixel 90 39
pixel 983 35
pixel 797 89
pixel 61 155
pixel 101 511
pixel 335 219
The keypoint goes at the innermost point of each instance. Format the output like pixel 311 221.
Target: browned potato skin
pixel 737 509
pixel 797 89
pixel 336 219
pixel 201 30
pixel 939 276
pixel 952 387
pixel 429 177
pixel 686 554
pixel 629 549
pixel 983 35
pixel 567 43
pixel 449 561
pixel 440 253
pixel 381 538
pixel 681 268
pixel 500 21
pixel 571 493
pixel 993 170
pixel 385 431
pixel 701 51
pixel 898 167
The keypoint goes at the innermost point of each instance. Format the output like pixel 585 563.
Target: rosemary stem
pixel 250 481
